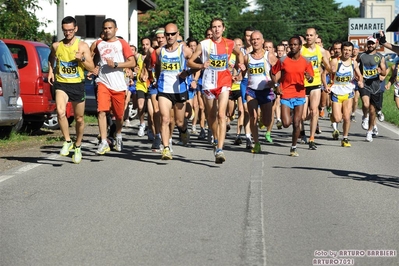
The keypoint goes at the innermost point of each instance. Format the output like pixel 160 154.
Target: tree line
pixel 276 19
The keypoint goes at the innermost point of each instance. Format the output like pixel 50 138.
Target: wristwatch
pixel 115 64
pixel 83 59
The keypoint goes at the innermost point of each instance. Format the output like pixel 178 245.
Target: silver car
pixel 10 101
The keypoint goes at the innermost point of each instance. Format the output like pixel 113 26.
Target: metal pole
pixel 60 16
pixel 186 19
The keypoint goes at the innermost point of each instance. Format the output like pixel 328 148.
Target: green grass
pixel 389 109
pixel 91 119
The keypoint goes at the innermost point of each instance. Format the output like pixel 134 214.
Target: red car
pixel 36 93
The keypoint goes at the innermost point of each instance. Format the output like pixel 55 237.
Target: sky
pixel 356 3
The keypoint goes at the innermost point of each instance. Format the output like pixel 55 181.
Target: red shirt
pixel 292 76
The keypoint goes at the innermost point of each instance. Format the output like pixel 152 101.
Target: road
pixel 131 208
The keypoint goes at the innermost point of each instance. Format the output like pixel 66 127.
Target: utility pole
pixel 186 20
pixel 60 16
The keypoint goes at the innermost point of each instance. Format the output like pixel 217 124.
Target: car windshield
pixel 43 53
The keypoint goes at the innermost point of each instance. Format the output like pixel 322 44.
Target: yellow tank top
pixel 140 85
pixel 236 85
pixel 315 57
pixel 69 70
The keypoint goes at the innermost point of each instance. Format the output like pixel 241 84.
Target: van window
pixel 20 55
pixel 6 61
pixel 43 53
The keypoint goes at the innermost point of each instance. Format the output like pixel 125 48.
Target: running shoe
pixel 140 133
pixel 185 138
pixel 118 144
pixel 369 136
pixel 127 123
pixel 380 116
pixel 156 144
pixel 293 152
pixel 238 140
pixel 353 118
pixel 202 134
pixel 268 137
pixel 103 148
pixel 279 124
pixel 228 127
pixel 261 125
pixel 365 123
pixel 345 143
pixel 304 139
pixel 335 134
pixel 249 144
pixel 257 148
pixel 166 154
pixel 312 145
pixel 77 157
pixel 219 156
pixel 375 131
pixel 66 147
pixel 194 130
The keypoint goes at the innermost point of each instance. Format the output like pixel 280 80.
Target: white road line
pixel 254 236
pixel 5 177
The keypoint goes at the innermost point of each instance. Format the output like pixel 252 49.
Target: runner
pixel 260 85
pixel 172 88
pixel 344 70
pixel 216 80
pixel 70 56
pixel 115 55
pixel 290 72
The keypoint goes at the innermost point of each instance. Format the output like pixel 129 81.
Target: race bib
pixel 170 64
pixel 69 69
pixel 218 62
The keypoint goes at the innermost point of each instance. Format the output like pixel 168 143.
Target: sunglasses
pixel 170 33
pixel 68 30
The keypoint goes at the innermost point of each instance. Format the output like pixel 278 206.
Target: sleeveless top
pixel 69 70
pixel 315 57
pixel 258 72
pixel 217 75
pixel 343 79
pixel 369 67
pixel 141 85
pixel 236 84
pixel 172 63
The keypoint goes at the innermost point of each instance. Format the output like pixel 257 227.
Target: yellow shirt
pixel 141 85
pixel 315 57
pixel 69 70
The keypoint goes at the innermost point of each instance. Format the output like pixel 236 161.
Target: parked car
pixel 36 93
pixel 10 100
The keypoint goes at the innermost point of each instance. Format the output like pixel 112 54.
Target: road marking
pixel 5 177
pixel 254 239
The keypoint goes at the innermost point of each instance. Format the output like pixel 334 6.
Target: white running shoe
pixel 375 131
pixel 140 133
pixel 380 116
pixel 119 144
pixel 369 136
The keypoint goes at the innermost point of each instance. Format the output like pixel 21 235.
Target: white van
pixel 10 100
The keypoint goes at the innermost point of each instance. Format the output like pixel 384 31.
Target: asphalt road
pixel 131 208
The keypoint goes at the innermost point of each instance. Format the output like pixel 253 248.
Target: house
pixel 90 14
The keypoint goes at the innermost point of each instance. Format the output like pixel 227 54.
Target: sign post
pixel 361 28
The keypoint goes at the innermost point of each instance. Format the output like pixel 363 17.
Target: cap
pixel 355 45
pixel 371 39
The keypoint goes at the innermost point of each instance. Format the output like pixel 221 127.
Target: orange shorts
pixel 109 99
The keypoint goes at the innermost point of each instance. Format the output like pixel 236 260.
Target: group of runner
pixel 177 81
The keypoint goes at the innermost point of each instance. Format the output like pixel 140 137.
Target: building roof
pixel 394 25
pixel 144 5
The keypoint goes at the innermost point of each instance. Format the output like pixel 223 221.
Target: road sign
pixel 365 26
pixel 362 42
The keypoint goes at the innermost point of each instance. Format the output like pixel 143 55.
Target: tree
pixel 18 20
